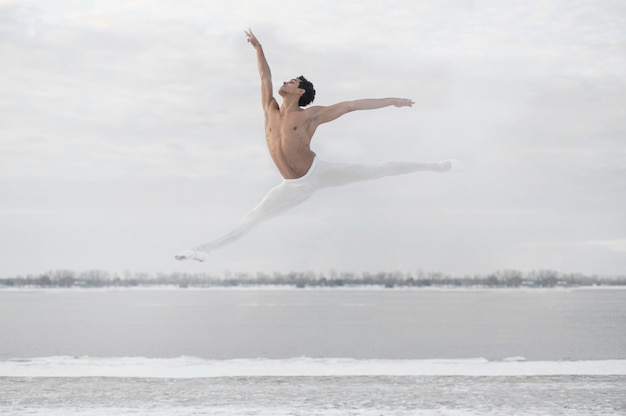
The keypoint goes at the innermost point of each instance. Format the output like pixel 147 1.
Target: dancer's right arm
pixel 267 100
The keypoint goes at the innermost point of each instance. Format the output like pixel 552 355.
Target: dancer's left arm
pixel 321 114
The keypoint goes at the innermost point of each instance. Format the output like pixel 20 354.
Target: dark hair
pixel 309 92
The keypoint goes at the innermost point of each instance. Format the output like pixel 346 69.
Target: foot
pixel 451 165
pixel 191 255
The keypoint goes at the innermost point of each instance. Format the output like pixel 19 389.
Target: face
pixel 291 87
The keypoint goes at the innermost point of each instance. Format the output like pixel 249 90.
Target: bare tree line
pixel 499 279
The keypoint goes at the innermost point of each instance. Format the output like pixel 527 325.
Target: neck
pixel 290 105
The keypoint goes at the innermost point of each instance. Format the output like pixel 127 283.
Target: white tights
pixel 293 192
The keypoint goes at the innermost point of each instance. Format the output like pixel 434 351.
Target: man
pixel 288 131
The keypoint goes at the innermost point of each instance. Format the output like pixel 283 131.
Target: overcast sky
pixel 131 130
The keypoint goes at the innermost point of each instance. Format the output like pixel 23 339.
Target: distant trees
pixel 500 279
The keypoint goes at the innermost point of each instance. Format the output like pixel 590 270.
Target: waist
pixel 307 174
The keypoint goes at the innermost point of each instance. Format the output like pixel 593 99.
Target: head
pixel 309 92
pixel 301 87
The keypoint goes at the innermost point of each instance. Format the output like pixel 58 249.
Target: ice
pixel 315 396
pixel 192 367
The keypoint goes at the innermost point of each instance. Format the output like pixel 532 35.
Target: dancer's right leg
pixel 331 174
pixel 279 199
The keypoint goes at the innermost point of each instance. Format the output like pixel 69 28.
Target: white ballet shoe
pixel 191 255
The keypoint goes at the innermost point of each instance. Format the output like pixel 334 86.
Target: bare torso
pixel 289 128
pixel 288 138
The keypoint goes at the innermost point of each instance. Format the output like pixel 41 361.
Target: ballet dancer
pixel 289 129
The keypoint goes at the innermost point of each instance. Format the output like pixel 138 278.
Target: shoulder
pixel 311 112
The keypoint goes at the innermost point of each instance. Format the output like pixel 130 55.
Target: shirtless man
pixel 288 131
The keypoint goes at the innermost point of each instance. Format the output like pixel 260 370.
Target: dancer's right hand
pixel 252 39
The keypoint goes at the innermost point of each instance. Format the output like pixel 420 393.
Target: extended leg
pixel 278 200
pixel 330 174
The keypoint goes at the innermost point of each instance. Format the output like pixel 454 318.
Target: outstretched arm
pixel 264 71
pixel 332 112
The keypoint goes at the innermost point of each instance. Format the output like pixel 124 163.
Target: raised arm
pixel 267 99
pixel 325 114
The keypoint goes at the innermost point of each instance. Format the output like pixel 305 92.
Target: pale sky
pixel 131 130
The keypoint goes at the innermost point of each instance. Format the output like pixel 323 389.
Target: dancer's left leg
pixel 279 199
